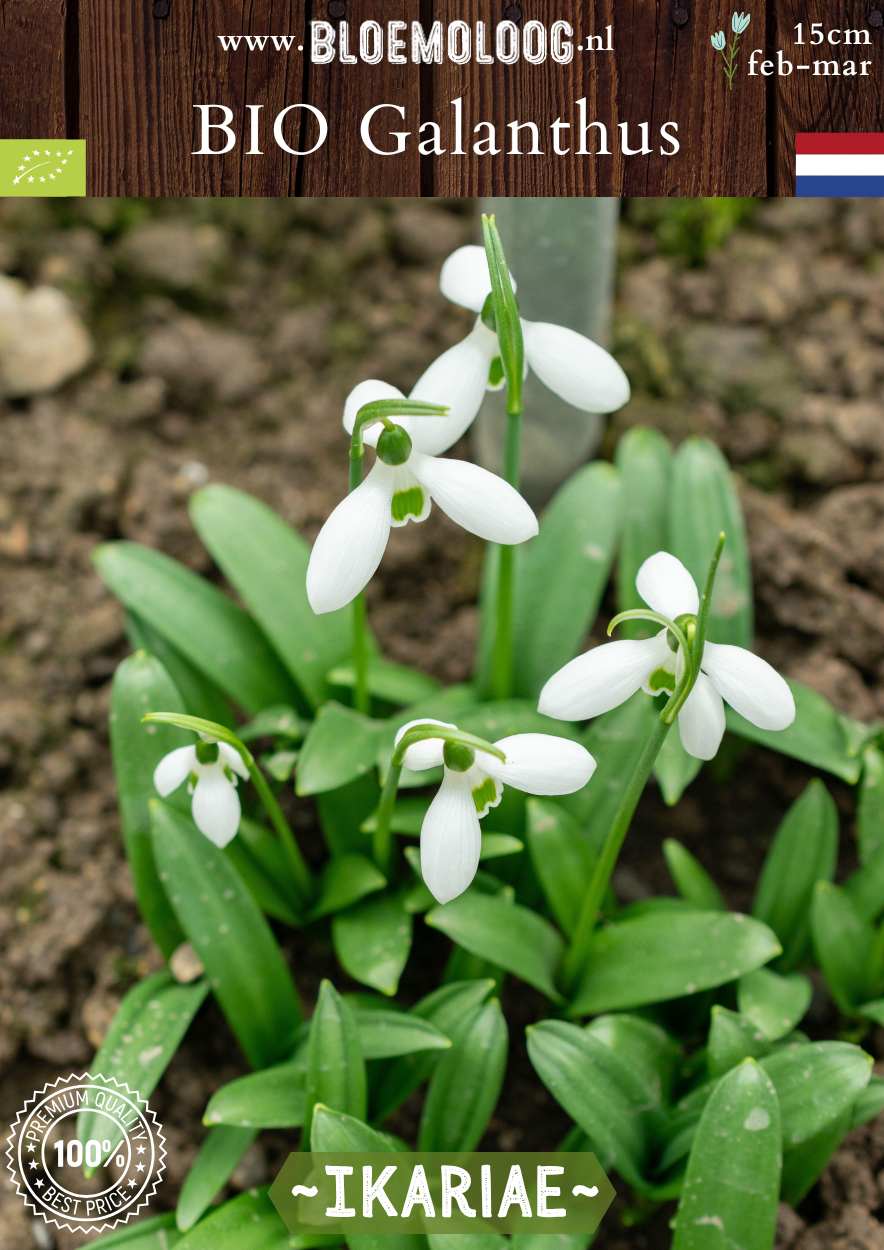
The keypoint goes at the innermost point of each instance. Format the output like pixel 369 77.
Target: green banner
pixel 43 167
pixel 442 1193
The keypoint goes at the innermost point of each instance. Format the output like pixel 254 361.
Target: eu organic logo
pixel 43 167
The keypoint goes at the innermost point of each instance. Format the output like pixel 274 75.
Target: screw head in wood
pixel 337 9
pixel 680 15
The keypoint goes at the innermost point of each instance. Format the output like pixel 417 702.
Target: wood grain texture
pixel 805 102
pixel 346 92
pixel 33 71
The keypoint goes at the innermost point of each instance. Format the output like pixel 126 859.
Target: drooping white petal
pixel 478 500
pixel 451 839
pixel 465 279
pixel 173 769
pixel 750 686
pixel 574 367
pixel 350 545
pixel 603 678
pixel 701 720
pixel 427 753
pixel 666 586
pixel 232 758
pixel 541 764
pixel 458 378
pixel 368 393
pixel 216 808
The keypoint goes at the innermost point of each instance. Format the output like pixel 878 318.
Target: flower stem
pixel 382 842
pixel 360 634
pixel 578 952
pixel 502 669
pixel 301 877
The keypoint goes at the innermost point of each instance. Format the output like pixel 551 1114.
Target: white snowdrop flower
pixel 406 479
pixel 211 770
pixel 472 784
pixel 610 674
pixel 571 365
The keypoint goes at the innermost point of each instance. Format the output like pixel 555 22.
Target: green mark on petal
pixel 485 795
pixel 661 679
pixel 408 503
pixel 495 374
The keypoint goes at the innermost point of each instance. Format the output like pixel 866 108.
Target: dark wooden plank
pixel 32 65
pixel 344 93
pixel 808 102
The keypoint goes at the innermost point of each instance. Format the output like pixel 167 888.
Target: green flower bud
pixel 394 446
pixel 458 758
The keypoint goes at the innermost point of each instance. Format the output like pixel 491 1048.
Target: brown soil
pixel 226 335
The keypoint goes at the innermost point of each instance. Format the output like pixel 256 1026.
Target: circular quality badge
pixel 93 1177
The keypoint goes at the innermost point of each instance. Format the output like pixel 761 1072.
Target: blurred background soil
pixel 151 348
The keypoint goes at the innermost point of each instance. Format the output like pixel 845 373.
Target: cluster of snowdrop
pixel 411 473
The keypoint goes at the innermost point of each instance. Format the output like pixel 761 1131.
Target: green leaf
pixel 803 1165
pixel 466 1083
pixel 732 1038
pixel 816 1083
pixel 599 1091
pixel 507 935
pixel 869 1103
pixel 703 502
pixel 217 1159
pixel 644 458
pixel 563 573
pixel 372 941
pixel 341 747
pixel 209 630
pixel 266 562
pixel 391 683
pixel 818 735
pixel 344 881
pixel 444 1009
pixel 512 716
pixel 775 1004
pixel 342 813
pixel 337 1133
pixel 258 858
pixel 866 886
pixel 870 813
pixel 389 1034
pixel 141 684
pixel 648 1050
pixel 155 1233
pixel 561 858
pixel 802 853
pixel 669 955
pixel 691 879
pixel 143 1036
pixel 231 937
pixel 249 1222
pixel 674 769
pixel 844 943
pixel 611 740
pixel 275 722
pixel 335 1066
pixel 732 1188
pixel 198 694
pixel 874 1011
pixel 273 1098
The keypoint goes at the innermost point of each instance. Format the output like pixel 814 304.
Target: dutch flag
pixel 839 165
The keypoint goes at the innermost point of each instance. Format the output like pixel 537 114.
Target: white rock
pixel 42 340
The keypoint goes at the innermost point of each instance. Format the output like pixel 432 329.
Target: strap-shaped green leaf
pixel 802 853
pixel 466 1083
pixel 844 943
pixel 209 629
pixel 732 1188
pixel 266 561
pixel 599 1091
pixel 389 1034
pixel 818 736
pixel 775 1004
pixel 563 573
pixel 691 879
pixel 870 813
pixel 273 1098
pixel 816 1083
pixel 341 747
pixel 395 684
pixel 674 769
pixel 143 1037
pixel 652 1055
pixel 644 458
pixel 158 1232
pixel 335 1067
pixel 259 859
pixel 141 685
pixel 732 1038
pixel 671 954
pixel 344 881
pixel 444 1009
pixel 866 886
pixel 506 934
pixel 372 941
pixel 561 857
pixel 216 1160
pixel 243 963
pixel 703 503
pixel 249 1222
pixel 199 695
